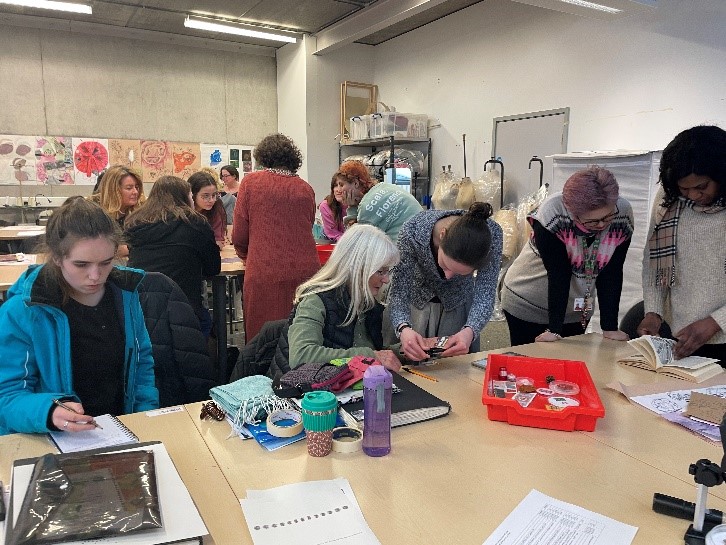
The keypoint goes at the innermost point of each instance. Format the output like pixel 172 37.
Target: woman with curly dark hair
pixel 684 265
pixel 272 232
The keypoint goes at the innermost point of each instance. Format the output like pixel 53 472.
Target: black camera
pixel 438 348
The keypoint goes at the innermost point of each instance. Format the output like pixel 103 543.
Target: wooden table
pixel 454 479
pixel 21 232
pixel 212 495
pixel 10 273
pixel 13 237
pixel 231 266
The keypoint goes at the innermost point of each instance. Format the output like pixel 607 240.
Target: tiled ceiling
pixel 302 16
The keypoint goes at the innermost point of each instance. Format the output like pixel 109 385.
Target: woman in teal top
pixel 73 330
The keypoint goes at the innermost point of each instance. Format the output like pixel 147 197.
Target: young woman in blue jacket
pixel 72 330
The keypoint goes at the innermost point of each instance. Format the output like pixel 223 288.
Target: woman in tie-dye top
pixel 578 246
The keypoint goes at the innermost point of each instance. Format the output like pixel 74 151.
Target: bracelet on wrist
pixel 553 333
pixel 401 327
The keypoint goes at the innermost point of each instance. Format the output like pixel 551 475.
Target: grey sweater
pixel 416 279
pixel 700 288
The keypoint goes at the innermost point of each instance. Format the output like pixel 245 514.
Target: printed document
pixel 307 513
pixel 542 520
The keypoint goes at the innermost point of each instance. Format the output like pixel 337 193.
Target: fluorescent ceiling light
pixel 202 24
pixel 592 5
pixel 50 4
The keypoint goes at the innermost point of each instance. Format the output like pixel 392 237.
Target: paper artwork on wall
pixel 17 160
pixel 125 152
pixel 54 160
pixel 214 155
pixel 240 157
pixel 187 159
pixel 156 160
pixel 90 157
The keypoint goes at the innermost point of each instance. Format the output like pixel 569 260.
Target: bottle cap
pixel 377 375
pixel 319 401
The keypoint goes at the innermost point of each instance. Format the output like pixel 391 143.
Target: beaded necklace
pixel 281 171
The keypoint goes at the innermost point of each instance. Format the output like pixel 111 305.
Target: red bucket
pixel 324 251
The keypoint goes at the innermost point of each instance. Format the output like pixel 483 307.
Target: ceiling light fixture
pixel 51 4
pixel 202 24
pixel 592 5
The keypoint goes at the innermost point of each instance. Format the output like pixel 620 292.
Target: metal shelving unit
pixel 420 183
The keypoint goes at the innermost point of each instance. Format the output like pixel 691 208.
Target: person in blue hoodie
pixel 73 330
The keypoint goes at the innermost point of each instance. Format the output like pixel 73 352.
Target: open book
pixel 656 354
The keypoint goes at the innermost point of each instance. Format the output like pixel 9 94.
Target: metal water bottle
pixel 377 390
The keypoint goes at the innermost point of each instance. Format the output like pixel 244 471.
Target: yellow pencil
pixel 419 373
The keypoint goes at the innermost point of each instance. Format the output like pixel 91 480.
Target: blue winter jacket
pixel 35 350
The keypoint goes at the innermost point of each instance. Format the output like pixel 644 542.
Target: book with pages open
pixel 656 354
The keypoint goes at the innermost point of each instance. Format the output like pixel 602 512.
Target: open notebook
pixel 112 432
pixel 412 404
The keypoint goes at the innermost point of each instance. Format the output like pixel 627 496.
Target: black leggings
pixel 523 332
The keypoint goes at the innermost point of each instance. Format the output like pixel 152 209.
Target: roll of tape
pixel 284 423
pixel 347 440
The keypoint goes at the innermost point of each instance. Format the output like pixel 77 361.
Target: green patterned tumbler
pixel 319 414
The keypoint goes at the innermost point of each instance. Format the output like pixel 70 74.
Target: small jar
pixel 503 373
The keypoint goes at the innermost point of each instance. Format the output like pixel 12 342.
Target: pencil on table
pixel 419 373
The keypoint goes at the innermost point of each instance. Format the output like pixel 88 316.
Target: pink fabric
pixel 331 229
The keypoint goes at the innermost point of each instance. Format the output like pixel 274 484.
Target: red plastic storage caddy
pixel 324 251
pixel 536 415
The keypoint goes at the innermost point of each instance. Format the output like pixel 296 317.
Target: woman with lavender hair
pixel 578 246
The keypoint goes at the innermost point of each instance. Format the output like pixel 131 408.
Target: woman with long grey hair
pixel 337 312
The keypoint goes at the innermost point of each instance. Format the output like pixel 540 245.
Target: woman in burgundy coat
pixel 272 232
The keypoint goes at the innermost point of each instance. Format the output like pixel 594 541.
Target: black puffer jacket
pixel 266 354
pixel 184 373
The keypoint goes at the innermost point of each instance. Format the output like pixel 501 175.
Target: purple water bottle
pixel 377 389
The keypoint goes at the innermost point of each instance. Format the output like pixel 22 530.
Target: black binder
pixel 412 404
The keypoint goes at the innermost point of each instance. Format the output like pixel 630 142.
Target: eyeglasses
pixel 383 273
pixel 208 196
pixel 605 219
pixel 223 176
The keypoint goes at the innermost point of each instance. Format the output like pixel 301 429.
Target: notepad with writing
pixel 112 432
pixel 412 404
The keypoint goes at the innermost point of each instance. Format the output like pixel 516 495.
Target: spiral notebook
pixel 413 404
pixel 114 433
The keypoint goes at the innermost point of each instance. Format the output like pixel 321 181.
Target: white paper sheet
pixel 542 520
pixel 676 400
pixel 307 513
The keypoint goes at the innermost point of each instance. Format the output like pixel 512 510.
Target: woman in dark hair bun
pixel 434 291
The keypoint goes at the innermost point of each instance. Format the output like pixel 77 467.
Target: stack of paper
pixel 308 513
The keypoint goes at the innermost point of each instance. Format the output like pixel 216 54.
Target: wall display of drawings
pixel 17 160
pixel 240 157
pixel 56 160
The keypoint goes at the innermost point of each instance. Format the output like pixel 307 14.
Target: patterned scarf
pixel 662 242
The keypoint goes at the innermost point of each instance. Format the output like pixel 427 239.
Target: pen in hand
pixel 67 408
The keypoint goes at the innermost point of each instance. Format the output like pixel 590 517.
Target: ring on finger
pixel 65 426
